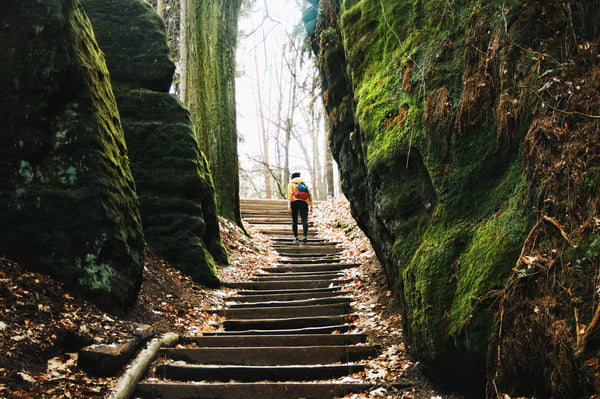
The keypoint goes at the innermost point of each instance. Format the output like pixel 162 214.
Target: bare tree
pixel 289 112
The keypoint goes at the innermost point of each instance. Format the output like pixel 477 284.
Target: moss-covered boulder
pixel 174 185
pixel 67 196
pixel 176 194
pixel 466 138
pixel 133 38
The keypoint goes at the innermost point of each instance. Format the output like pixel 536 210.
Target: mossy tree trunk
pixel 211 33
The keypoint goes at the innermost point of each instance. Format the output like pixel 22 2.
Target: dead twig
pixel 588 331
pixel 553 108
pixel 543 219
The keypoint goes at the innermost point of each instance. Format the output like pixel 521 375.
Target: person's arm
pixel 290 196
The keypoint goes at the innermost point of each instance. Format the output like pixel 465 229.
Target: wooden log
pixel 132 376
pixel 108 359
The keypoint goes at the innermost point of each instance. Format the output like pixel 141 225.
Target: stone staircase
pixel 287 334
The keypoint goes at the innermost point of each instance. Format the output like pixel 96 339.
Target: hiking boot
pixel 304 239
pixel 296 240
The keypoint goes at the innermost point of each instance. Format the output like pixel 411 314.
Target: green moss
pixel 176 193
pixel 429 281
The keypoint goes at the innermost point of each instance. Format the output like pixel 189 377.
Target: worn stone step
pixel 282 285
pixel 287 323
pixel 260 390
pixel 274 340
pixel 270 355
pixel 297 276
pixel 276 218
pixel 309 257
pixel 290 240
pixel 284 230
pixel 309 261
pixel 255 373
pixel 246 203
pixel 277 244
pixel 309 250
pixel 282 268
pixel 291 291
pixel 282 273
pixel 340 328
pixel 303 302
pixel 289 296
pixel 284 311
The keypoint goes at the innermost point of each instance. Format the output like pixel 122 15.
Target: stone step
pixel 308 260
pixel 291 296
pixel 264 203
pixel 252 313
pixel 310 243
pixel 271 219
pixel 283 268
pixel 308 250
pixel 274 340
pixel 282 285
pixel 297 276
pixel 329 290
pixel 310 256
pixel 291 272
pixel 337 329
pixel 282 229
pixel 260 390
pixel 287 240
pixel 255 373
pixel 270 355
pixel 303 302
pixel 286 323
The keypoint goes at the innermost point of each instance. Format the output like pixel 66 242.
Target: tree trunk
pixel 329 165
pixel 210 94
pixel 183 45
pixel 160 8
pixel 263 136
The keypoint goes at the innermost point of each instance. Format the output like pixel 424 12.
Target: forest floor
pixel 42 325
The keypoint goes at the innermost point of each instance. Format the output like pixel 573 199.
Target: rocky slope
pixel 466 134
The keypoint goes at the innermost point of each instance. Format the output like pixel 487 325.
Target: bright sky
pixel 268 55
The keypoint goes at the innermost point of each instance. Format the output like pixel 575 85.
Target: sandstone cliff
pixel 68 200
pixel 467 138
pixel 174 185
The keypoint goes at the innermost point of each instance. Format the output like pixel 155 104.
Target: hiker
pixel 300 200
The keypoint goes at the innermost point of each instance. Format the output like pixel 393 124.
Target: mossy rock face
pixel 69 207
pixel 174 185
pixel 133 37
pixel 430 106
pixel 177 198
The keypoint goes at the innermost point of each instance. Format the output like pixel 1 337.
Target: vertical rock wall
pixel 175 189
pixel 67 196
pixel 466 138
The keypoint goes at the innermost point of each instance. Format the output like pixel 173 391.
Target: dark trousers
pixel 302 207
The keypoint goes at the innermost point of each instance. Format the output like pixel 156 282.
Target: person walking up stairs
pixel 300 201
